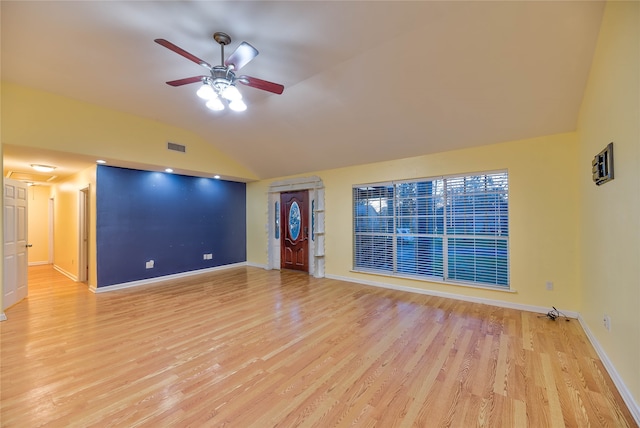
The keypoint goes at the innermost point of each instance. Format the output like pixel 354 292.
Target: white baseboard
pixel 65 273
pixel 634 407
pixel 258 265
pixel 159 279
pixel 3 317
pixel 39 263
pixel 492 302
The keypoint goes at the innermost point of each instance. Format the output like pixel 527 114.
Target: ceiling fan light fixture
pixel 215 104
pixel 237 105
pixel 206 92
pixel 220 88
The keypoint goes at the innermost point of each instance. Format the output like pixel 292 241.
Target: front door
pixel 16 261
pixel 294 224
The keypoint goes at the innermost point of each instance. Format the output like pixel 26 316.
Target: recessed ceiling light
pixel 100 161
pixel 42 168
pixel 168 170
pixel 217 177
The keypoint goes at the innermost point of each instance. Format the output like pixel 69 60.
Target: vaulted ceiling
pixel 364 81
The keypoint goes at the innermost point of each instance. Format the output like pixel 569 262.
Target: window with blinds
pixel 452 228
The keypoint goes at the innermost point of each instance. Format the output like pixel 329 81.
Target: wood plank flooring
pixel 247 347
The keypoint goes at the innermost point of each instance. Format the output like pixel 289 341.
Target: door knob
pixel 29 245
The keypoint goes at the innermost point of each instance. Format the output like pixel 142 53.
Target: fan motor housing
pixel 222 76
pixel 221 72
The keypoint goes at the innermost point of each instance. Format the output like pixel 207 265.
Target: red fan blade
pixel 186 80
pixel 241 56
pixel 182 52
pixel 261 84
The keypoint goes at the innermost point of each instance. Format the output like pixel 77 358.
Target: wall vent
pixel 176 147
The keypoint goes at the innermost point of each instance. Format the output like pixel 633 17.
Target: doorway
pixel 15 243
pixel 83 235
pixel 51 230
pixel 312 230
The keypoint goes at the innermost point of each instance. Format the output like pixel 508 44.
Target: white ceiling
pixel 364 81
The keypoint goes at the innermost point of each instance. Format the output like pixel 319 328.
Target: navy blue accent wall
pixel 171 219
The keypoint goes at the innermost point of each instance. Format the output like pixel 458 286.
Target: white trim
pixel 438 280
pixel 258 265
pixel 301 183
pixel 273 246
pixel 435 177
pixel 3 317
pixel 39 263
pixel 315 188
pixel 51 229
pixel 627 397
pixel 65 273
pixel 83 233
pixel 492 302
pixel 162 278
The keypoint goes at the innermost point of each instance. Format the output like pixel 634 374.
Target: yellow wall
pixel 43 120
pixel 543 209
pixel 38 224
pixel 2 316
pixel 66 230
pixel 610 236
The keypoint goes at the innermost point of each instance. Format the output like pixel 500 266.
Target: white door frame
pixel 51 229
pixel 83 234
pixel 316 207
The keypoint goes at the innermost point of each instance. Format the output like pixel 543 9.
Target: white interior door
pixel 15 242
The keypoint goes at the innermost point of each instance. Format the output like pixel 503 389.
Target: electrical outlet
pixel 606 321
pixel 149 264
pixel 549 285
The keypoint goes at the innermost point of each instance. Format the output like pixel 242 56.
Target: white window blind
pixel 450 228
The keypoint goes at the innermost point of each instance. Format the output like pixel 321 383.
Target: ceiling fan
pixel 219 87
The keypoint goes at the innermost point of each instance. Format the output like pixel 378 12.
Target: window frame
pixel 489 247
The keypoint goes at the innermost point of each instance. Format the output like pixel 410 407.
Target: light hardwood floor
pixel 253 348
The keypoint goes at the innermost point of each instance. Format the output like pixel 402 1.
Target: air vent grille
pixel 176 147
